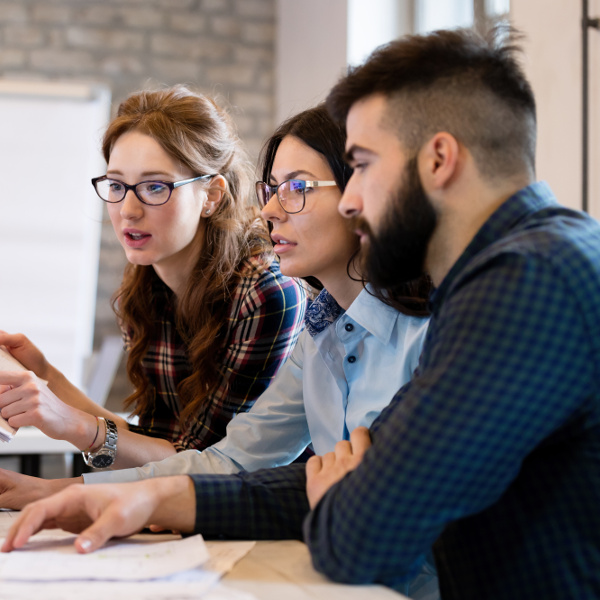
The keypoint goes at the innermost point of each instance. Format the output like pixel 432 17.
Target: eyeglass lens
pixel 151 192
pixel 290 194
pixel 263 193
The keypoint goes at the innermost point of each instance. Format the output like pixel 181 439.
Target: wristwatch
pixel 105 456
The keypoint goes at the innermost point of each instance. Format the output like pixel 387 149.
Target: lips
pixel 282 245
pixel 135 238
pixel 362 235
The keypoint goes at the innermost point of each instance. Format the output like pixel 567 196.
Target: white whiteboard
pixel 50 215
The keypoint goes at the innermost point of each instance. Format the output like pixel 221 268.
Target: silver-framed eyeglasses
pixel 153 193
pixel 291 194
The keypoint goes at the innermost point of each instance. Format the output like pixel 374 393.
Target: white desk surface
pixel 279 570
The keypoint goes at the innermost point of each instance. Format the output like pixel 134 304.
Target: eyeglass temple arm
pixel 179 183
pixel 320 183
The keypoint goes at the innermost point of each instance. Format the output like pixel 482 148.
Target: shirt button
pixel 349 327
pixel 352 359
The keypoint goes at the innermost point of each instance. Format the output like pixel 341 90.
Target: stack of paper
pixel 141 567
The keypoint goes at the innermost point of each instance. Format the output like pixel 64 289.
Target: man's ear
pixel 214 194
pixel 439 161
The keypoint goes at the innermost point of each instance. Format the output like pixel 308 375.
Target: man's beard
pixel 395 254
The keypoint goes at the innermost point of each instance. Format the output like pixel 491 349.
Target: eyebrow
pixel 294 174
pixel 144 173
pixel 349 154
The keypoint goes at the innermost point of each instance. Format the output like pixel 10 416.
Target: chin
pixel 138 259
pixel 289 269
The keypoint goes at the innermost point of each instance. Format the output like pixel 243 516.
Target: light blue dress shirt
pixel 344 370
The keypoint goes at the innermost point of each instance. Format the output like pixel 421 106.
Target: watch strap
pixel 108 448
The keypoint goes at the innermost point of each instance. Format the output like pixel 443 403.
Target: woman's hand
pixel 26 353
pixel 99 512
pixel 17 490
pixel 26 400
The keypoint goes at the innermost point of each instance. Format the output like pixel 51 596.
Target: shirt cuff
pixel 118 476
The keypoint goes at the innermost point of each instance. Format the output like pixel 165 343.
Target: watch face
pixel 102 461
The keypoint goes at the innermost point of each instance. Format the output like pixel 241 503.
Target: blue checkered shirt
pixel 490 456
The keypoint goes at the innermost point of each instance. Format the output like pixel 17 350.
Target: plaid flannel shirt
pixel 491 454
pixel 264 322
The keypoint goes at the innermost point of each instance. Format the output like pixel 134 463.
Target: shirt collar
pixel 530 199
pixel 322 312
pixel 366 310
pixel 373 315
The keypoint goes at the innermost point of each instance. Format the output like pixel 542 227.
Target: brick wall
pixel 224 48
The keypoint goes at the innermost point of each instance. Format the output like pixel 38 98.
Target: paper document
pixel 125 556
pixel 8 363
pixel 6 431
pixel 119 560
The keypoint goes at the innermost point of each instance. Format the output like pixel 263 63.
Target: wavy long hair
pixel 194 131
pixel 318 130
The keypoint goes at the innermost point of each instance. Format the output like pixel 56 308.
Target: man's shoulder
pixel 549 263
pixel 564 240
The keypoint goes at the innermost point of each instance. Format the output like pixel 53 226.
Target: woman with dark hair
pixel 206 315
pixel 355 352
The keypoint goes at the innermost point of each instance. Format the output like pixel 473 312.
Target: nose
pixel 351 203
pixel 131 207
pixel 272 210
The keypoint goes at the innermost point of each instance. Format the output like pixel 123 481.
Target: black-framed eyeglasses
pixel 291 194
pixel 153 193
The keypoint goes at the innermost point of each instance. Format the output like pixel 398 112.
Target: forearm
pixel 17 490
pixel 391 562
pixel 73 396
pixel 135 450
pixel 267 504
pixel 272 433
pixel 88 433
pixel 84 430
pixel 188 462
